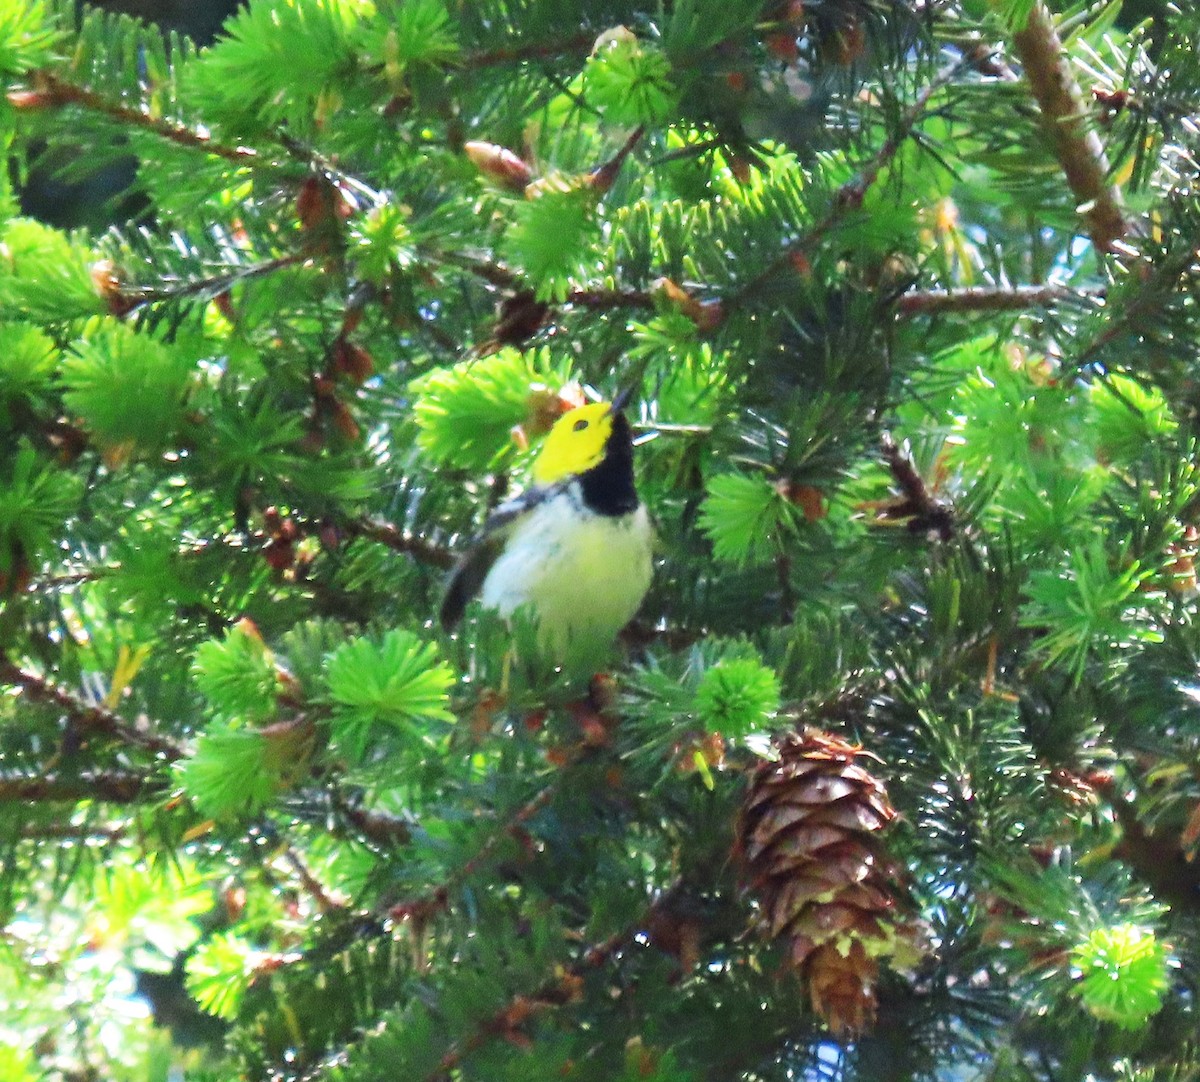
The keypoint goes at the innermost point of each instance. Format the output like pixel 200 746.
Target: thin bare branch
pixel 936 302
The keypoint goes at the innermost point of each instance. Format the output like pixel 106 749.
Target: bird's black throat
pixel 608 487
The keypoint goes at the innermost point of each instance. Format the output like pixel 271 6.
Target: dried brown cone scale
pixel 812 857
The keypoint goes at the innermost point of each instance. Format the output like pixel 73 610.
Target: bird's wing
pixel 473 566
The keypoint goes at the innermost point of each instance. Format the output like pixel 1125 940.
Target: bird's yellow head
pixel 575 444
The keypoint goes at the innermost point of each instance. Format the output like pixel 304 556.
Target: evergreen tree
pixel 895 776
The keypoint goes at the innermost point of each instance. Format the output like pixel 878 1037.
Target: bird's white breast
pixel 583 574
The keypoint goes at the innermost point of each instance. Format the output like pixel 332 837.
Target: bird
pixel 575 548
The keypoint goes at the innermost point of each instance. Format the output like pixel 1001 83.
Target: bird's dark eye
pixel 580 425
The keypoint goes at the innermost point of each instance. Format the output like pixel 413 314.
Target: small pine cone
pixel 808 839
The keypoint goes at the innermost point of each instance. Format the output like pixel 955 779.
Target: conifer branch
pixel 605 299
pixel 212 286
pixel 1152 293
pixel 52 91
pixel 522 816
pixel 934 302
pixel 67 579
pixel 312 886
pixel 321 164
pixel 83 716
pixel 916 302
pixel 111 832
pixel 378 827
pixel 493 273
pixel 562 989
pixel 419 548
pixel 605 175
pixel 114 787
pixel 1064 114
pixel 559 990
pixel 989 62
pixel 418 908
pixel 574 45
pixel 850 195
pixel 496 274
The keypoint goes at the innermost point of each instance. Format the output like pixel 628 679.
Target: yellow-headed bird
pixel 574 548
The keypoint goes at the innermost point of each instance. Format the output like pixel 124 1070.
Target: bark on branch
pixel 935 302
pixel 419 548
pixel 85 717
pixel 109 787
pixel 52 91
pixel 1064 116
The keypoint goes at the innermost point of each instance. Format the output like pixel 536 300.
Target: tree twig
pixel 111 832
pixel 604 176
pixel 312 886
pixel 419 548
pixel 563 988
pixel 376 826
pixel 934 302
pixel 66 579
pixel 559 990
pixel 54 91
pixel 318 162
pixel 111 787
pixel 533 50
pixel 1064 114
pixel 604 299
pixel 988 61
pixel 213 285
pixel 851 194
pixel 420 906
pixel 83 715
pixel 1162 281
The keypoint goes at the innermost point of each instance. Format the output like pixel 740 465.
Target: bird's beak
pixel 620 400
